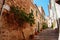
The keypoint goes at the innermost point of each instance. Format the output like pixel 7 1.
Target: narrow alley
pixel 29 19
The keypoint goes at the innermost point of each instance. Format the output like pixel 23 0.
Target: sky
pixel 44 4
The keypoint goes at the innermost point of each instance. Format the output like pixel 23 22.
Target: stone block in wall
pixel 5 34
pixel 28 32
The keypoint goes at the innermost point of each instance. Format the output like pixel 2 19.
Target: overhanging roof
pixel 58 1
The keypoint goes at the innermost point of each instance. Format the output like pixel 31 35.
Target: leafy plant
pixel 44 26
pixel 31 18
pixel 21 16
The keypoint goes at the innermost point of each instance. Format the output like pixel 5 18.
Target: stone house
pixel 13 31
pixel 42 15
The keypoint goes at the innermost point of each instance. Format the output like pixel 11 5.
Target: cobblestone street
pixel 48 34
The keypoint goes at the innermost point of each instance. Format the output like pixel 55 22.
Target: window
pixel 36 13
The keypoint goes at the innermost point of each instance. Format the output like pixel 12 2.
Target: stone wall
pixel 12 31
pixel 1 4
pixel 23 4
pixel 15 32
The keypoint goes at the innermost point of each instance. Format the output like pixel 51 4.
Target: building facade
pixel 12 30
pixel 52 13
pixel 57 6
pixel 42 15
pixel 38 19
pixel 19 34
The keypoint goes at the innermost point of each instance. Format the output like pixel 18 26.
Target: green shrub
pixel 44 26
pixel 21 16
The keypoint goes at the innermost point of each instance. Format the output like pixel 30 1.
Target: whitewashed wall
pixel 57 10
pixel 58 16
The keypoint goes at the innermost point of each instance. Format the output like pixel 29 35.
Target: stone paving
pixel 48 34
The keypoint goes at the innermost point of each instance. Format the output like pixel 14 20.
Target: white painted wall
pixel 53 14
pixel 58 15
pixel 48 21
pixel 57 10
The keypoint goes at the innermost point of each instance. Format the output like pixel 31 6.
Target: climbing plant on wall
pixel 20 16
